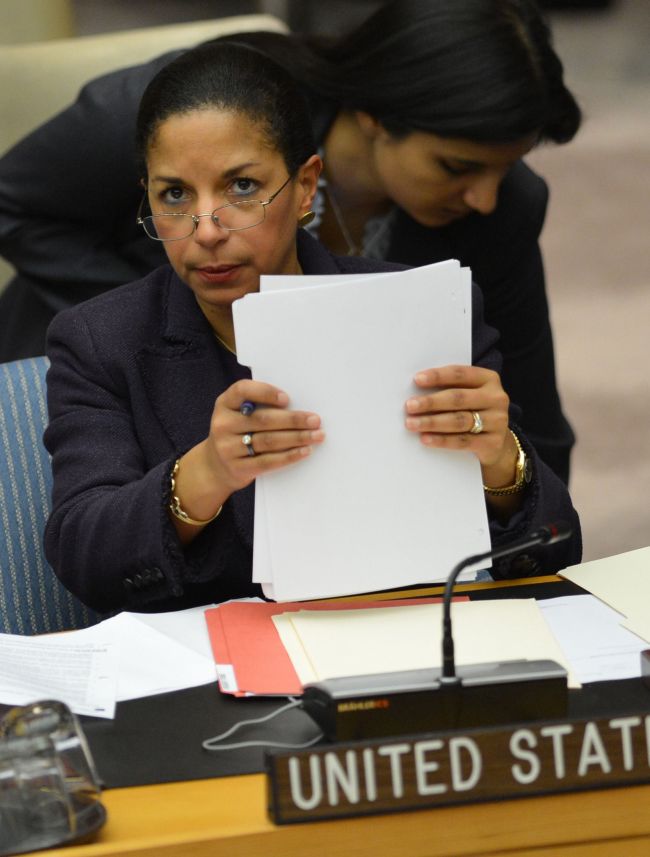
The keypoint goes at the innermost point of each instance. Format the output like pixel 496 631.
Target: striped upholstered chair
pixel 32 601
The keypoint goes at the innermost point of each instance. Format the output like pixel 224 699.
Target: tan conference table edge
pixel 227 816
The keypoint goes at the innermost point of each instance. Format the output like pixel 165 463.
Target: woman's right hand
pixel 222 463
pixel 278 436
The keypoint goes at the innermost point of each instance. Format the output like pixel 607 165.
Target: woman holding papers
pixel 156 432
pixel 422 116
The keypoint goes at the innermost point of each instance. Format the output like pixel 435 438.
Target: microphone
pixel 547 535
pixel 426 700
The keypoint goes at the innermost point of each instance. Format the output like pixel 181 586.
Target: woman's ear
pixel 307 180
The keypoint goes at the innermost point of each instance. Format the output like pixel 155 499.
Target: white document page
pixel 593 639
pixel 275 282
pixel 640 626
pixel 371 508
pixel 186 627
pixel 81 673
pixel 151 662
pixel 391 639
pixel 261 556
pixel 125 657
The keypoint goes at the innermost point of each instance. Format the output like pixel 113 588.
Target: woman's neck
pixel 220 317
pixel 349 165
pixel 220 320
pixel 354 190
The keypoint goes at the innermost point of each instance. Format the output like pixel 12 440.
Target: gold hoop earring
pixel 306 218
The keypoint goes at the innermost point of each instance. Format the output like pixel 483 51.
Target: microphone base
pixel 402 703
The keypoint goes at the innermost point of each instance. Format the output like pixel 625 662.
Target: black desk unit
pixel 167 796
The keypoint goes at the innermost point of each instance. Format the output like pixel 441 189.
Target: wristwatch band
pixel 523 473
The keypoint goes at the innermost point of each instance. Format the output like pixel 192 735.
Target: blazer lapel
pixel 183 376
pixel 180 368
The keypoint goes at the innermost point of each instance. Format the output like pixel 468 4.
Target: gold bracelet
pixel 523 473
pixel 175 504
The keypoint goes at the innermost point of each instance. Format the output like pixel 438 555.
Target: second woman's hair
pixel 232 77
pixel 483 70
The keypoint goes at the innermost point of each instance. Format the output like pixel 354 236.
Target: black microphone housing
pixel 412 701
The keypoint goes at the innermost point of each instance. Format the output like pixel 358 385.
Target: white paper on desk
pixel 151 662
pixel 622 581
pixel 371 508
pixel 81 673
pixel 186 627
pixel 363 642
pixel 640 627
pixel 125 657
pixel 593 639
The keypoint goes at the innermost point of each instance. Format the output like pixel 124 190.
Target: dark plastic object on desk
pixel 49 789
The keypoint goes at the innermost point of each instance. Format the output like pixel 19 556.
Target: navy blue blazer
pixel 133 379
pixel 69 193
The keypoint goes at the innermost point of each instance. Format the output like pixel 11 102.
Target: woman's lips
pixel 217 273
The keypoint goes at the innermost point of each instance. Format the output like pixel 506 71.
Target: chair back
pixel 32 600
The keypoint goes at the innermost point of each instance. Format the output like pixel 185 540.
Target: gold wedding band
pixel 477 427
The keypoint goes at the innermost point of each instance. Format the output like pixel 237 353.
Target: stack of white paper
pixel 371 508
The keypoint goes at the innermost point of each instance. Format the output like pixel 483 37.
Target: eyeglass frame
pixel 215 219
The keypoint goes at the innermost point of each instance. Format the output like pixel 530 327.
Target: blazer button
pixel 138 581
pixel 127 583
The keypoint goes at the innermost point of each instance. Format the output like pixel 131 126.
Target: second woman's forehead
pixel 203 137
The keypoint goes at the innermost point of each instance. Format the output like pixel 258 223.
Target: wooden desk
pixel 226 817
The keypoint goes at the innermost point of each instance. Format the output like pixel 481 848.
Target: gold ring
pixel 477 427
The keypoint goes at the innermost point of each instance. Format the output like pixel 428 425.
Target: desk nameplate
pixel 443 768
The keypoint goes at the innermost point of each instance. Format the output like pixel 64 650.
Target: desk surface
pixel 227 816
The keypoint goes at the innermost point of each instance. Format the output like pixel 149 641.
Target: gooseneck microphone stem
pixel 547 535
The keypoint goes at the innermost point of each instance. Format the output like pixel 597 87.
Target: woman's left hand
pixel 443 415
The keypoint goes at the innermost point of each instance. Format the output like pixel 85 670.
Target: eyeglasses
pixel 232 217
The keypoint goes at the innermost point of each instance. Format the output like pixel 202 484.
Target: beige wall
pixel 34 20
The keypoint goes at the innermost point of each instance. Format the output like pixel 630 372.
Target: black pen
pixel 246 408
